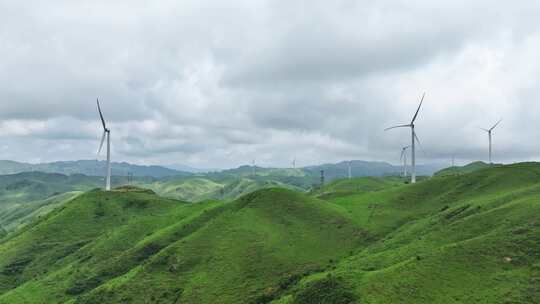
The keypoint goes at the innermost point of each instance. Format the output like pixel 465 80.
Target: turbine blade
pixel 418 110
pixel 394 127
pixel 484 129
pixel 496 125
pixel 102 141
pixel 101 115
pixel 419 144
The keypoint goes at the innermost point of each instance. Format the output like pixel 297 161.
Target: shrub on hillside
pixel 330 290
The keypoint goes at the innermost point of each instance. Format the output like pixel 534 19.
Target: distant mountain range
pixel 97 168
pixel 88 167
pixel 360 168
pixel 191 169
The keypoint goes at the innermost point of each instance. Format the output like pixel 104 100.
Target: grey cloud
pixel 216 84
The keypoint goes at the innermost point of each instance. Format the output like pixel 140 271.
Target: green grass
pixel 358 185
pixel 460 239
pixel 470 238
pixel 228 189
pixel 457 170
pixel 106 247
pixel 17 215
pixel 25 196
pixel 191 189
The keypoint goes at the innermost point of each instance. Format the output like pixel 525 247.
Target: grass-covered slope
pixel 252 251
pixel 226 188
pixel 32 186
pixel 23 194
pixel 136 247
pixel 473 238
pixel 186 189
pixel 17 215
pixel 85 243
pixel 358 185
pixel 469 168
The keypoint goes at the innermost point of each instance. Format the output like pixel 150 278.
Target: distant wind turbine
pixel 489 131
pixel 350 169
pixel 106 133
pixel 414 139
pixel 403 160
pixel 294 163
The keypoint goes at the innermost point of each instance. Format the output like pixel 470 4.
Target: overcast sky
pixel 218 83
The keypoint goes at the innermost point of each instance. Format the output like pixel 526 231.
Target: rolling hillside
pixel 475 166
pixel 104 247
pixel 18 215
pixel 464 239
pixel 359 185
pixel 23 194
pixel 472 238
pixel 32 186
pixel 229 184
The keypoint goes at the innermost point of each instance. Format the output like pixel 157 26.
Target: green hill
pixel 196 189
pixel 16 216
pixel 187 189
pixel 474 166
pixel 358 185
pixel 471 238
pixel 32 186
pixel 462 239
pixel 23 194
pixel 134 246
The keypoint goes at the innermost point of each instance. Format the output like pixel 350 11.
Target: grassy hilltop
pixel 472 238
pixel 457 170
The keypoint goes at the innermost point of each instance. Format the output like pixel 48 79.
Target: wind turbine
pixel 413 137
pixel 403 159
pixel 294 163
pixel 106 133
pixel 350 169
pixel 489 131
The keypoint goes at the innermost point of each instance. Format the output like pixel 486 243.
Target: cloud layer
pixel 215 84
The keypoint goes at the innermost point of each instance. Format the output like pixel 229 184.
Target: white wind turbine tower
pixel 350 169
pixel 106 133
pixel 294 163
pixel 489 131
pixel 403 160
pixel 414 139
